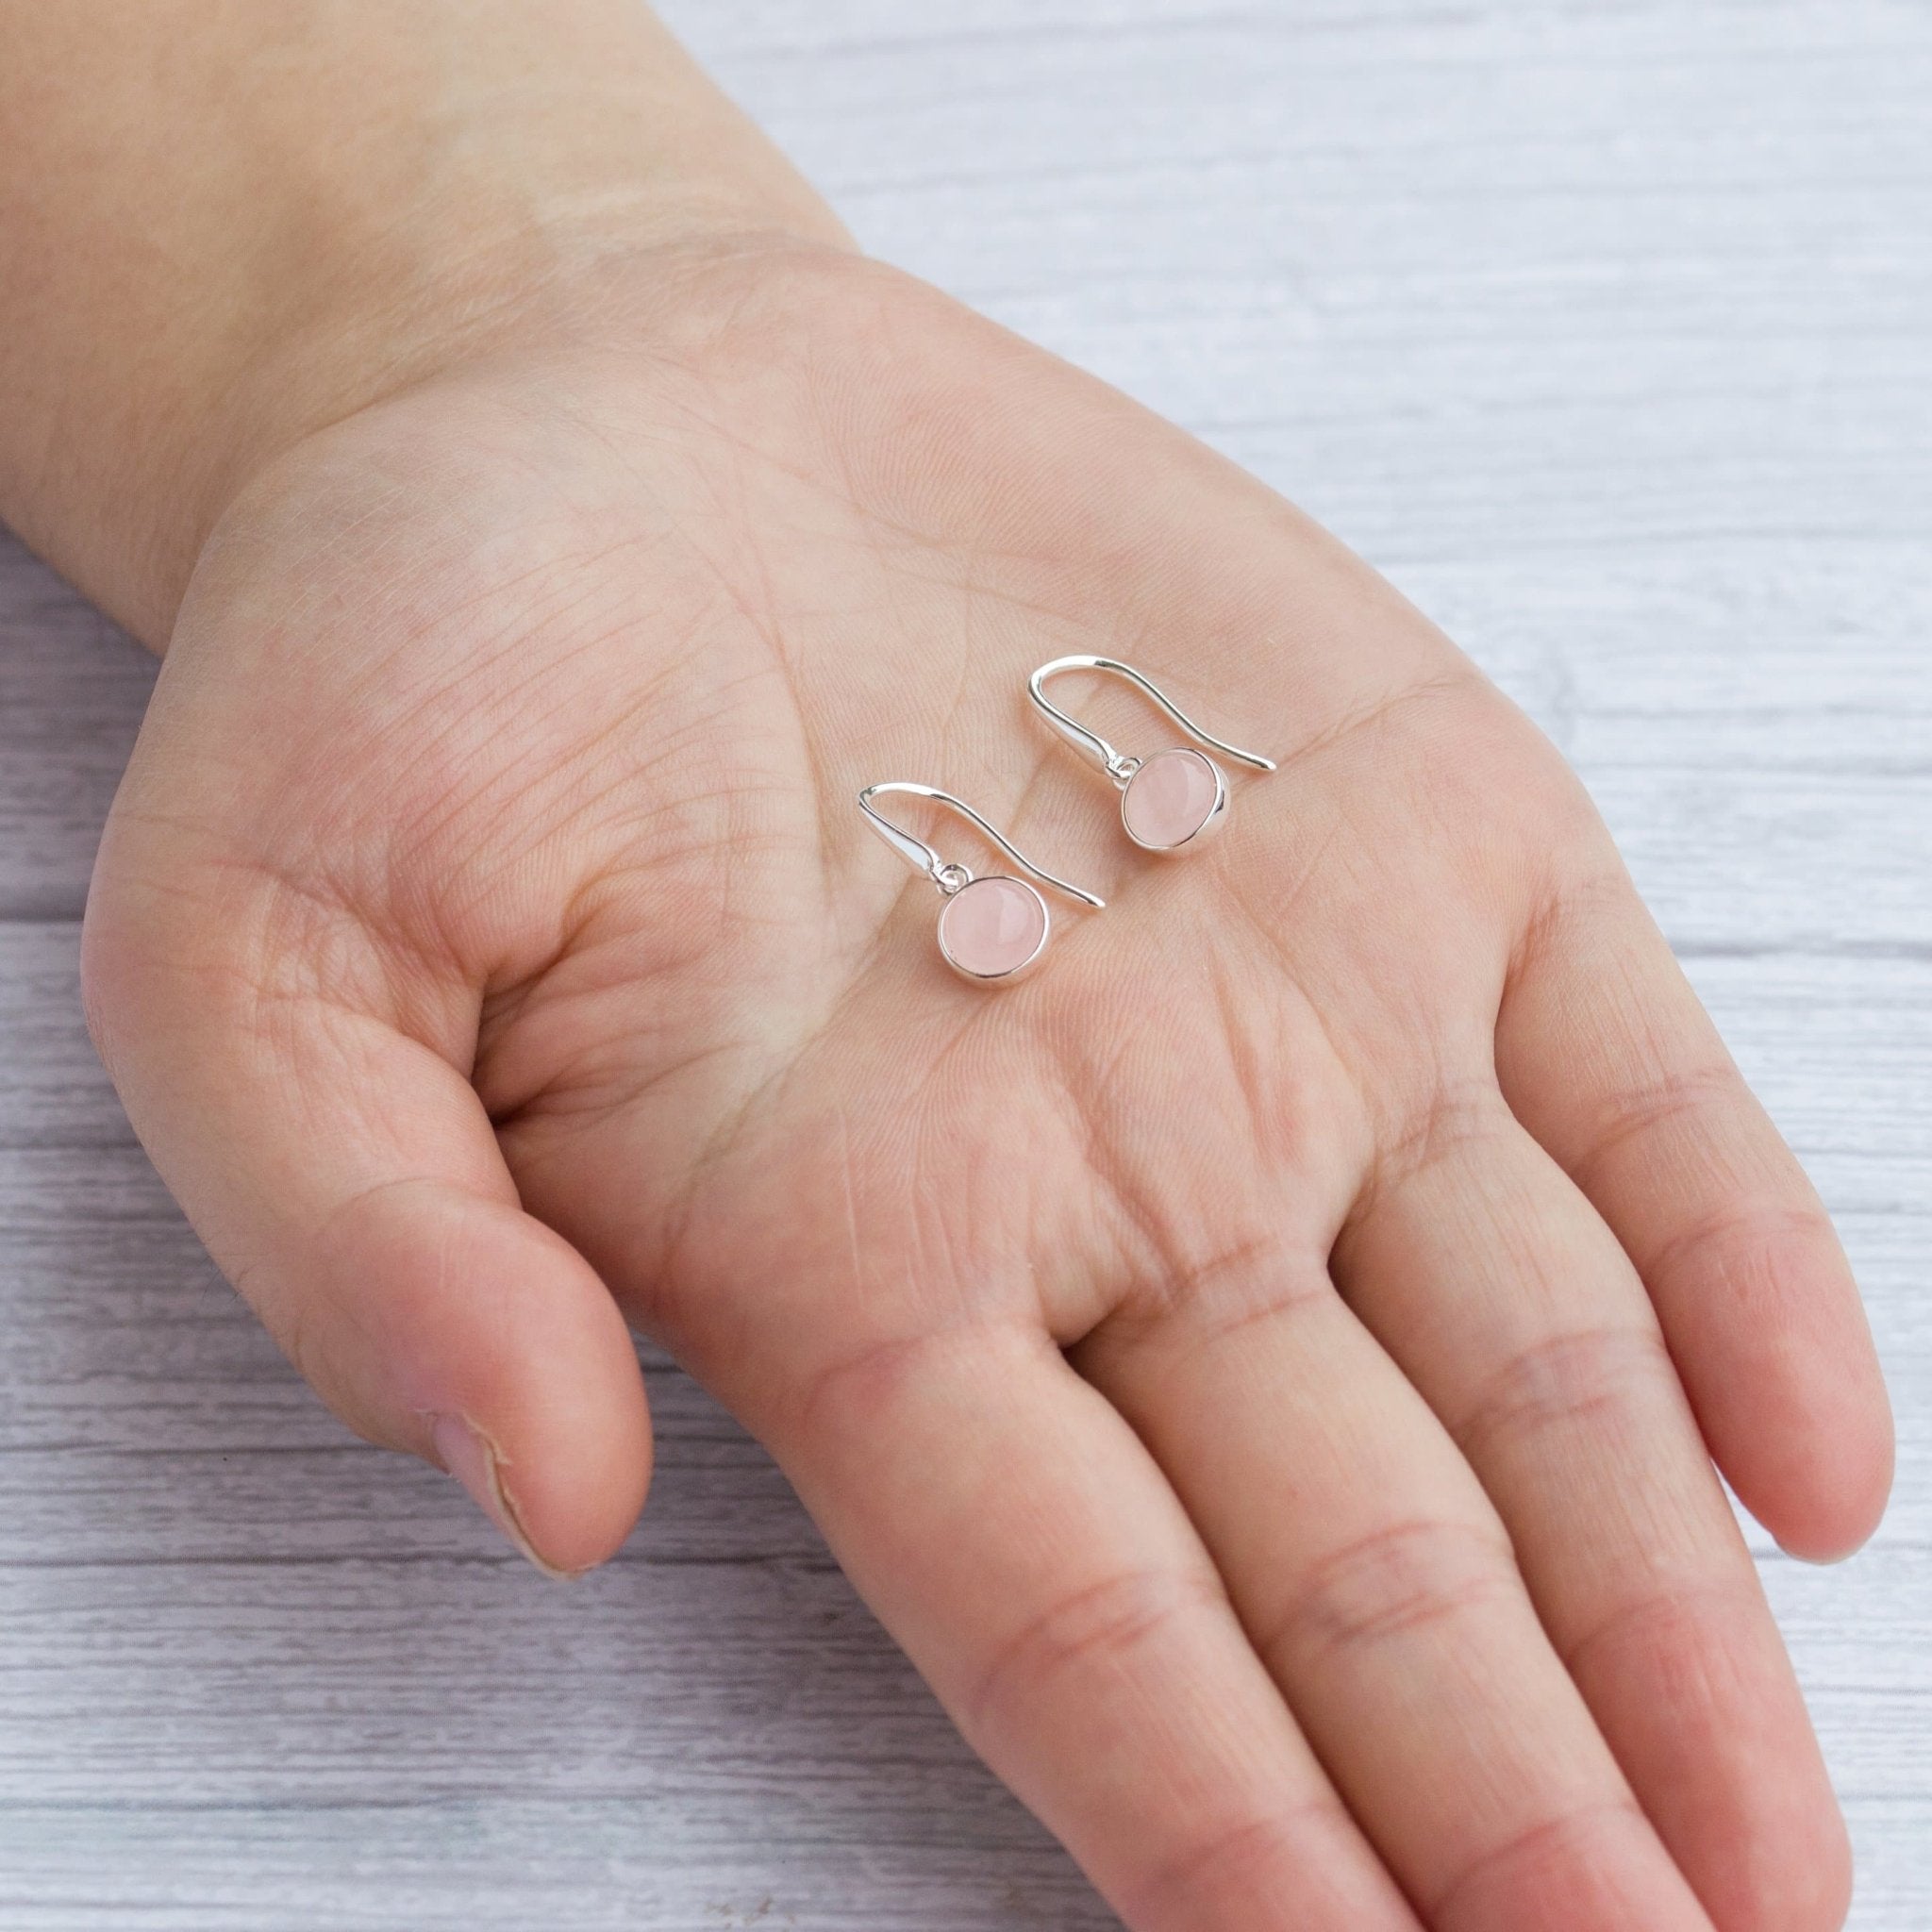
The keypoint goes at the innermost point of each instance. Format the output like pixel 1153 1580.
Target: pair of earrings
pixel 995 928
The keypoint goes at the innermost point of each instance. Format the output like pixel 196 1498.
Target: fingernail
pixel 469 1456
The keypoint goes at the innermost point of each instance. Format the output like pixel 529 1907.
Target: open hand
pixel 1267 1368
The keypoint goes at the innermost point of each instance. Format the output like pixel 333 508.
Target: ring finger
pixel 1510 1307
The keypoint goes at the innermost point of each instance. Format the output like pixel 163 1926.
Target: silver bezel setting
pixel 1217 813
pixel 1026 965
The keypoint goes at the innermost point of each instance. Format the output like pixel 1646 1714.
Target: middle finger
pixel 1377 1583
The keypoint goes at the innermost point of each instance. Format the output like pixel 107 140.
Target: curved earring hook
pixel 943 874
pixel 1119 768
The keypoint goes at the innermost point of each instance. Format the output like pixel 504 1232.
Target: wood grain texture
pixel 1607 331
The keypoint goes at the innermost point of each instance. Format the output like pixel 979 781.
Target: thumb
pixel 345 1178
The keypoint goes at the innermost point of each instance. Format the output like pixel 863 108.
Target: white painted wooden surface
pixel 1606 329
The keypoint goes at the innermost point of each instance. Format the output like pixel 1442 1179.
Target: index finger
pixel 1015 1537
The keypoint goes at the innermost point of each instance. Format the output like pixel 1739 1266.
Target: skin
pixel 1267 1368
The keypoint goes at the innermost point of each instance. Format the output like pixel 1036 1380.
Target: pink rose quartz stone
pixel 1169 799
pixel 992 928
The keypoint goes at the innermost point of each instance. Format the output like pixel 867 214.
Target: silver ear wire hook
pixel 949 876
pixel 1119 768
pixel 992 929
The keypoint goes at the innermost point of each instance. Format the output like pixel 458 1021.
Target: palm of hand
pixel 507 749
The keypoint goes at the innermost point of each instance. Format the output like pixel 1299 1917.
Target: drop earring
pixel 1169 800
pixel 992 929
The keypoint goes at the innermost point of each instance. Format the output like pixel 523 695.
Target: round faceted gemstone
pixel 1174 796
pixel 993 928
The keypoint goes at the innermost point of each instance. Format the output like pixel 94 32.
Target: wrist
pixel 621 276
pixel 227 246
